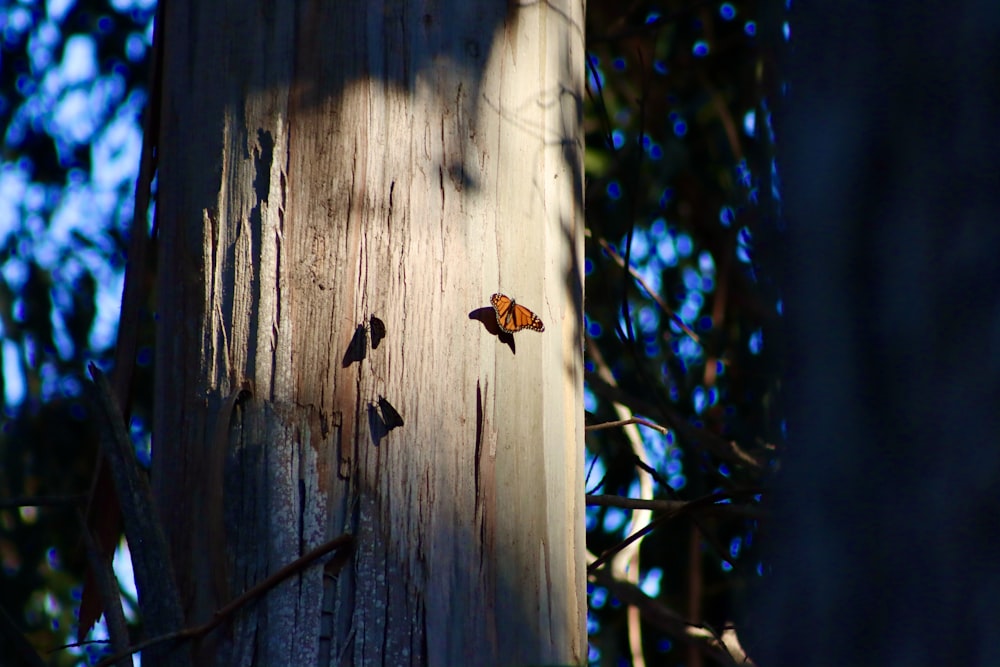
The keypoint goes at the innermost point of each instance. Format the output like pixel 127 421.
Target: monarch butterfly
pixel 512 317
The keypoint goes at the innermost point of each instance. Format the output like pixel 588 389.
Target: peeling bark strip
pixel 212 493
pixel 103 510
pixel 402 159
pixel 154 577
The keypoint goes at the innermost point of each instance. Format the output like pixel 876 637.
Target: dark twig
pixel 747 511
pixel 626 422
pixel 726 450
pixel 41 501
pixel 345 541
pixel 710 539
pixel 657 299
pixel 690 506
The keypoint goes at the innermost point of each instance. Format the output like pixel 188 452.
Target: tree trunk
pixel 323 164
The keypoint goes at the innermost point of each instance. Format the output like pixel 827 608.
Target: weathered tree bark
pixel 323 163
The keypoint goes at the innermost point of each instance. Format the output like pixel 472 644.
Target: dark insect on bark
pixel 378 331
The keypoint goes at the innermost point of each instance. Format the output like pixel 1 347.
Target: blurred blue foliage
pixel 72 93
pixel 674 174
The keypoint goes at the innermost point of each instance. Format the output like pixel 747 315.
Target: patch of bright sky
pixel 13 380
pixel 667 252
pixel 15 272
pixel 594 330
pixel 743 241
pixel 614 519
pixel 79 63
pixel 14 179
pixel 654 442
pixel 60 335
pixel 685 246
pixel 122 565
pixel 691 306
pixel 691 278
pixel 686 349
pixel 42 45
pixel 16 21
pixel 699 399
pixel 108 303
pixel 598 597
pixel 595 470
pixel 617 138
pixel 726 216
pixel 706 264
pixel 650 583
pixel 57 9
pixel 640 245
pixel 649 320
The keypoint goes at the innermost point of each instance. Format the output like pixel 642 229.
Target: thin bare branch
pixel 748 511
pixel 690 506
pixel 626 422
pixel 649 290
pixel 344 541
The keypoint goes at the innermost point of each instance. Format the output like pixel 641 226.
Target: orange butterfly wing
pixel 511 317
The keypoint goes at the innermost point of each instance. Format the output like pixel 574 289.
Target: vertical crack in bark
pixel 479 452
pixel 279 235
